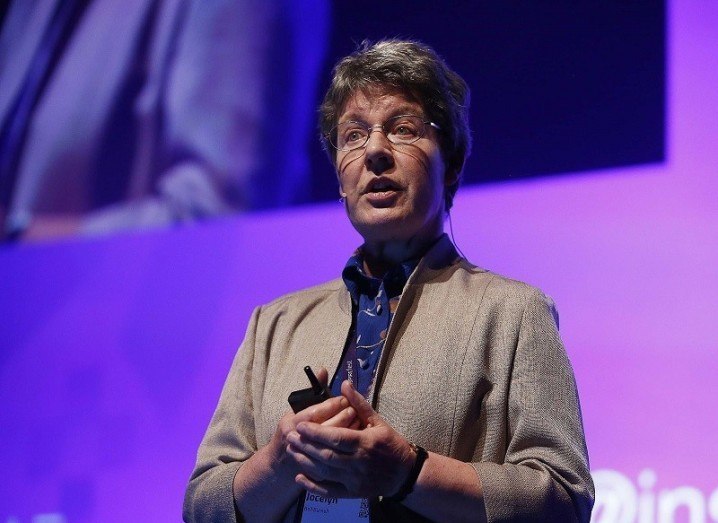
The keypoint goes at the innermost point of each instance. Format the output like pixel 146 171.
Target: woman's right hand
pixel 271 471
pixel 334 412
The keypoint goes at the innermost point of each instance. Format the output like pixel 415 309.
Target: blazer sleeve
pixel 545 475
pixel 230 438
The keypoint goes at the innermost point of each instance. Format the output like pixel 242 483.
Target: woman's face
pixel 393 192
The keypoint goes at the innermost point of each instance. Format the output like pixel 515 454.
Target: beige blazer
pixel 473 368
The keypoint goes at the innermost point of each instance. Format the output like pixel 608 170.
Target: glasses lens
pixel 404 129
pixel 349 135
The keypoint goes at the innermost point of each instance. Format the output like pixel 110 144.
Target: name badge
pixel 320 509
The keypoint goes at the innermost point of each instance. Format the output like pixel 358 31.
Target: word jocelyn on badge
pixel 321 499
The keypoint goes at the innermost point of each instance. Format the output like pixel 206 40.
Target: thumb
pixel 323 375
pixel 366 414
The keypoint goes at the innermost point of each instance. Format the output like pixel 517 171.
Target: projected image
pixel 116 116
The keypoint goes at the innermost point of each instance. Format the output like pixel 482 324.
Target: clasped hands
pixel 343 448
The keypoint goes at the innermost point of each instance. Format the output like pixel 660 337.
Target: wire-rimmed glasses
pixel 404 129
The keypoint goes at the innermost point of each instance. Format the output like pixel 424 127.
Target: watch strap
pixel 408 486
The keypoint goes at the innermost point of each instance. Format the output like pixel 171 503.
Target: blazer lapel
pixel 435 261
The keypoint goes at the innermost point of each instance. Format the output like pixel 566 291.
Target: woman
pixel 472 410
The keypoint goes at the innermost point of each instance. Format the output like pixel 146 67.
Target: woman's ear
pixel 450 178
pixel 451 182
pixel 452 174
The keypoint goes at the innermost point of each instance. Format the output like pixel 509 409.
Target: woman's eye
pixel 404 130
pixel 354 135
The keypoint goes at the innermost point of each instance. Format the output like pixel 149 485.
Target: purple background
pixel 113 351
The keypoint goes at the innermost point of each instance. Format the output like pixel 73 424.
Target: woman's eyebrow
pixel 406 110
pixel 401 110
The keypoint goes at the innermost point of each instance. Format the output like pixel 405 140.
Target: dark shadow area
pixel 556 86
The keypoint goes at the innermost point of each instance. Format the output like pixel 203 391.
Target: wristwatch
pixel 408 485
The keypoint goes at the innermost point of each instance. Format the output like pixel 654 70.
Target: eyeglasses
pixel 404 129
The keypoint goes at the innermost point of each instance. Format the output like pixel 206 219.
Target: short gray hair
pixel 418 70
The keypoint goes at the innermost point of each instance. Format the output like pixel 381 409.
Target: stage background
pixel 113 351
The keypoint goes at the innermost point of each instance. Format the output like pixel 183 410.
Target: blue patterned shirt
pixel 374 302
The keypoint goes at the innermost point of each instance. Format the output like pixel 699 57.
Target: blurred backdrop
pixel 159 160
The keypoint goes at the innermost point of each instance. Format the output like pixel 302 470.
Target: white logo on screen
pixel 619 500
pixel 41 518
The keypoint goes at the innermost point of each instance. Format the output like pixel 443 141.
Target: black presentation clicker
pixel 303 398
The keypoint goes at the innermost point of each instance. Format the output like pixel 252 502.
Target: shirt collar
pixel 359 282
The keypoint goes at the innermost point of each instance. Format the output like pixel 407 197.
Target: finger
pixel 323 411
pixel 339 439
pixel 323 376
pixel 304 462
pixel 365 412
pixel 317 452
pixel 345 418
pixel 322 488
pixel 316 469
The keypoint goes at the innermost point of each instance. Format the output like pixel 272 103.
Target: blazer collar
pixel 441 255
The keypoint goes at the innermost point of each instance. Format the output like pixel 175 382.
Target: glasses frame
pixel 331 137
